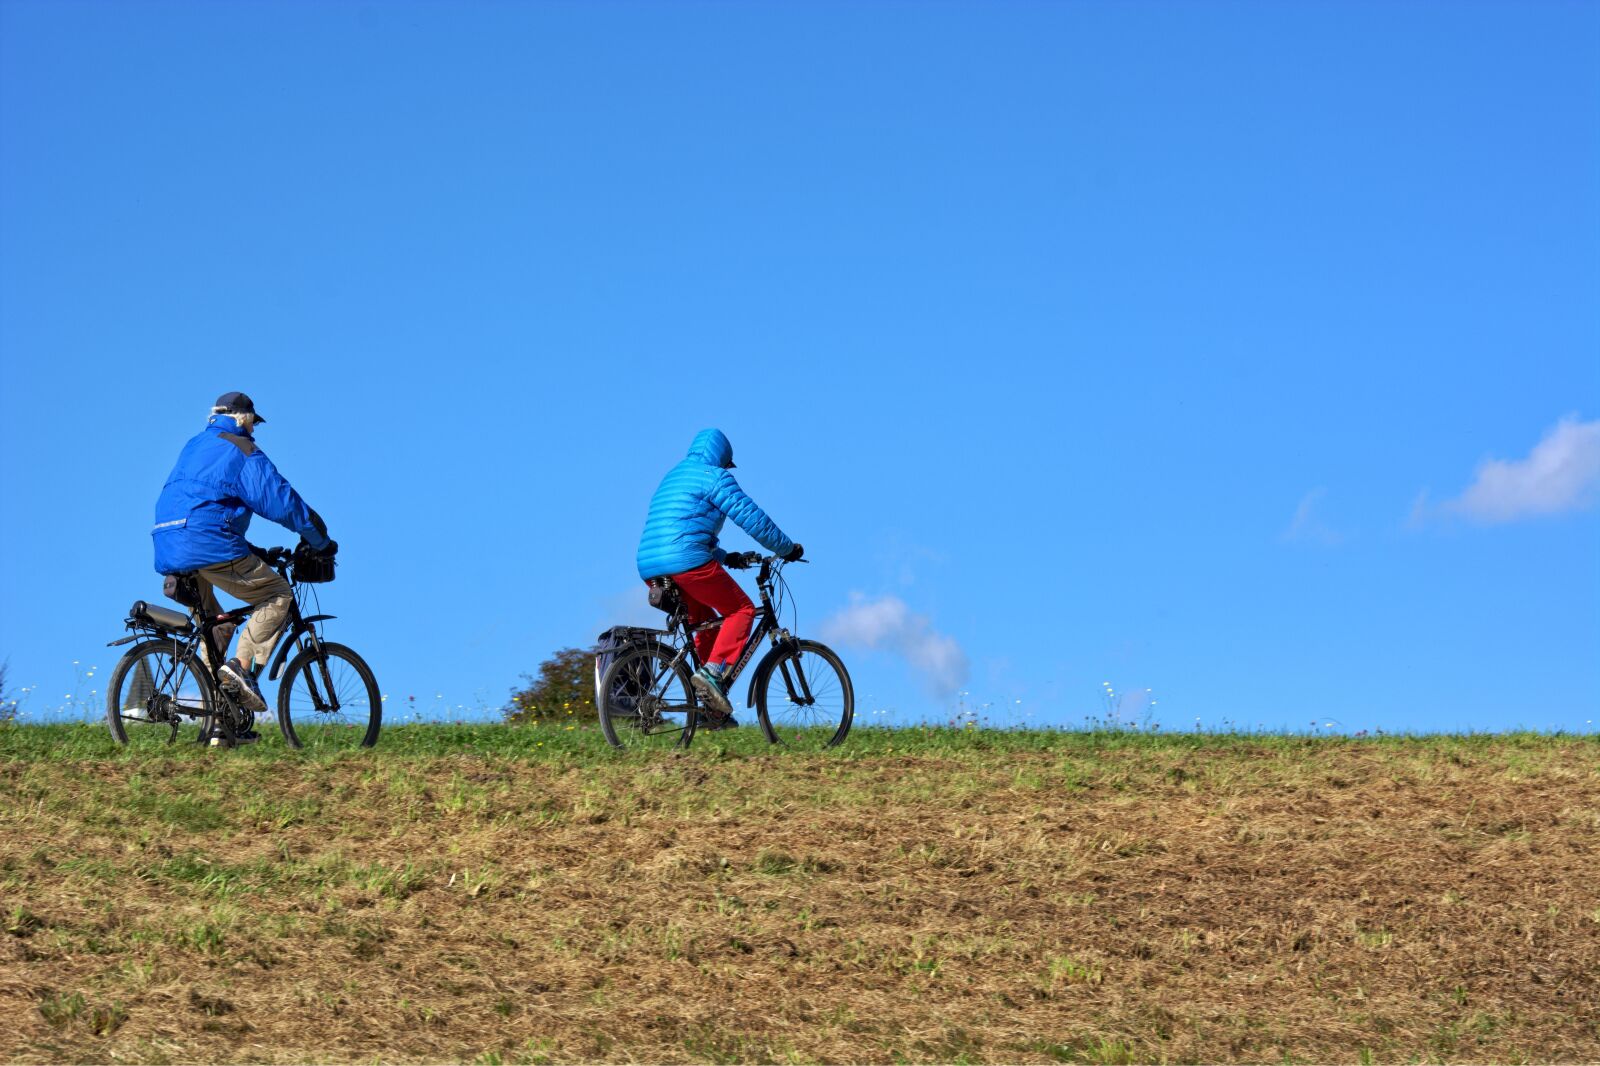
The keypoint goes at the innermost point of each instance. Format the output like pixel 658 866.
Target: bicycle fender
pixel 756 675
pixel 288 643
pixel 282 655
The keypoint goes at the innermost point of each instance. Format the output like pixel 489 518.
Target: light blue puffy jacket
pixel 688 510
pixel 221 477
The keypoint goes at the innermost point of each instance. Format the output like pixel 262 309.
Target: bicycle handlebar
pixel 272 556
pixel 276 556
pixel 768 564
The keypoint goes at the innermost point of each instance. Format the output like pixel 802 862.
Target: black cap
pixel 237 403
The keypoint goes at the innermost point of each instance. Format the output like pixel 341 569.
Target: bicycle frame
pixel 766 626
pixel 300 630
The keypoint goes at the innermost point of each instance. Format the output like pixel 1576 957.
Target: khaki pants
pixel 253 581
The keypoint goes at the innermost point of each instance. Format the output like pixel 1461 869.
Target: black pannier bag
pixel 612 643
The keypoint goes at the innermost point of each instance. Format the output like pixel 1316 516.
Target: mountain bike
pixel 800 688
pixel 166 686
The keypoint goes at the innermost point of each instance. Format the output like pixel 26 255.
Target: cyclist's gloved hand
pixel 796 553
pixel 327 551
pixel 736 561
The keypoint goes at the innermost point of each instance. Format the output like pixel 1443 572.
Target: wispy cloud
pixel 1307 525
pixel 1561 474
pixel 887 623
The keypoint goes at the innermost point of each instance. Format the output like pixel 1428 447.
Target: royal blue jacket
pixel 220 479
pixel 688 510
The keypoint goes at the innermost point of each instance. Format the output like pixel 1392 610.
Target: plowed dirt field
pixel 959 899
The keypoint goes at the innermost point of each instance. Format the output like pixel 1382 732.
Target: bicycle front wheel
pixel 157 695
pixel 329 700
pixel 805 701
pixel 646 701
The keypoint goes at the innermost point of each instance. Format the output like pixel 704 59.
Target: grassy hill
pixel 483 893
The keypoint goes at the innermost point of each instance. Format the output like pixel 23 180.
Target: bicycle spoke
pixel 806 700
pixel 646 701
pixel 152 698
pixel 328 701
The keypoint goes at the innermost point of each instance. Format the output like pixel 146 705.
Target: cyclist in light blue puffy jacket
pixel 680 541
pixel 220 479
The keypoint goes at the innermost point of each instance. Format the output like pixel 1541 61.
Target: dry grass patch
pixel 1244 902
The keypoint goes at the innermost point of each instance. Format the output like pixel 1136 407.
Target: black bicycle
pixel 800 688
pixel 165 686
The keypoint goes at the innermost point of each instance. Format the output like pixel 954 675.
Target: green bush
pixel 563 688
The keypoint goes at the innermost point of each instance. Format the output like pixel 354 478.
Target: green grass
pixel 583 744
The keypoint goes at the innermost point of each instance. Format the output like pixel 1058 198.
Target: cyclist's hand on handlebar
pixel 326 552
pixel 796 553
pixel 737 560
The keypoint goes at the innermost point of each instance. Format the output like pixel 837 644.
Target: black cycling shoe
pixel 249 736
pixel 711 723
pixel 236 677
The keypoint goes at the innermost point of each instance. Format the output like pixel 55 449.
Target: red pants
pixel 708 591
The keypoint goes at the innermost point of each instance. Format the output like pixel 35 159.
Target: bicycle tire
pixel 641 706
pixel 304 718
pixel 141 681
pixel 817 726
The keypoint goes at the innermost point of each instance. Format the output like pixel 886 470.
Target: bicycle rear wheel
pixel 157 696
pixel 329 700
pixel 646 701
pixel 805 700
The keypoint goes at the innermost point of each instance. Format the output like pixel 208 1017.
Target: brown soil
pixel 1382 903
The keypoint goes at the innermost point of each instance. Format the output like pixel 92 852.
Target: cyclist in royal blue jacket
pixel 222 477
pixel 680 542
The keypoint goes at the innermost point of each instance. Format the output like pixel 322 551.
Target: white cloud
pixel 1562 473
pixel 887 623
pixel 1307 525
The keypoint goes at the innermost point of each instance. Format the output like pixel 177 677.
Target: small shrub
pixel 562 689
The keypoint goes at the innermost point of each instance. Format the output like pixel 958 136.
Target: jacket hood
pixel 712 448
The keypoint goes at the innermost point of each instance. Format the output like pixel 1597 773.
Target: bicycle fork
pixel 331 704
pixel 803 697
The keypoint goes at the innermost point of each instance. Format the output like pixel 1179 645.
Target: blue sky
pixel 1165 345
